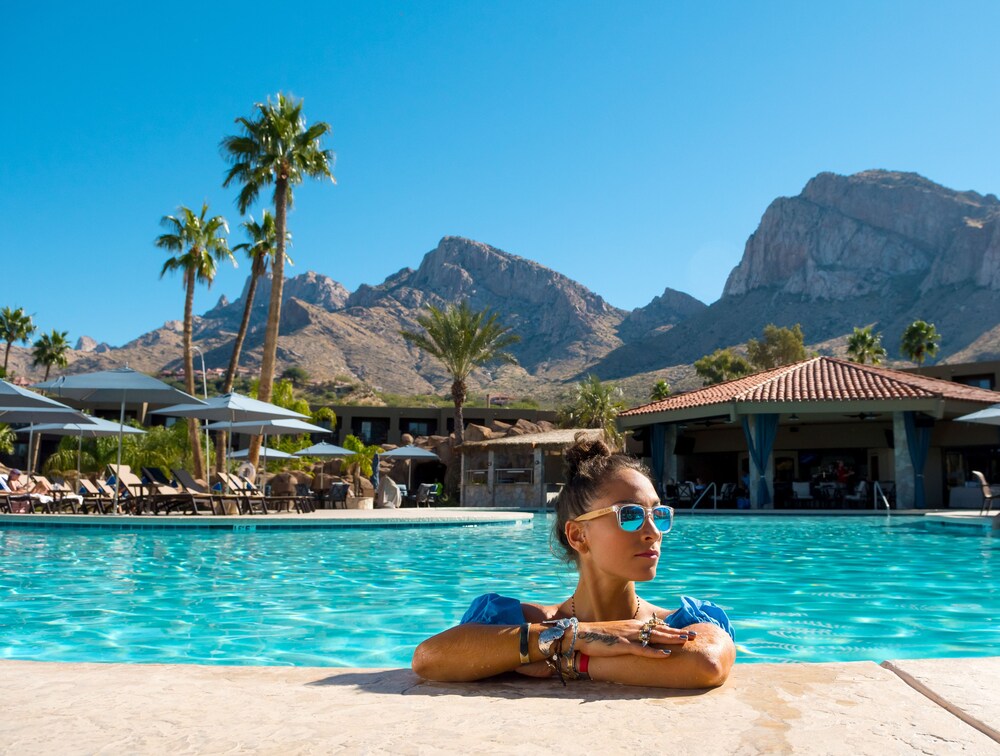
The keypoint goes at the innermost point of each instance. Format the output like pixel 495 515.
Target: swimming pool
pixel 797 589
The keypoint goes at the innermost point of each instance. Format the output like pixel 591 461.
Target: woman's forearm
pixel 473 652
pixel 703 662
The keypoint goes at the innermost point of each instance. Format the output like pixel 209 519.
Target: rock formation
pixel 878 247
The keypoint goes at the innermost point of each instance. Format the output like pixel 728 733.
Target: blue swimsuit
pixel 494 609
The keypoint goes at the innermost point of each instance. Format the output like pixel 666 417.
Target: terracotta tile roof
pixel 821 379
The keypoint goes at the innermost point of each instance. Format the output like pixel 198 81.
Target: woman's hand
pixel 625 637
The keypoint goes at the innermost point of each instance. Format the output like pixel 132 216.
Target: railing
pixel 715 496
pixel 513 476
pixel 878 493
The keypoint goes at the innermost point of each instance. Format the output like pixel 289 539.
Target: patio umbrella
pixel 94 427
pixel 18 405
pixel 324 449
pixel 280 426
pixel 14 397
pixel 273 453
pixel 120 386
pixel 410 453
pixel 988 416
pixel 231 408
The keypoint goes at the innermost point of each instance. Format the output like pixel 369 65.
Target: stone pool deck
pixel 934 706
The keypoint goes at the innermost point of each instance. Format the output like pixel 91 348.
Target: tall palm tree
pixel 15 326
pixel 462 340
pixel 920 341
pixel 275 148
pixel 864 346
pixel 50 350
pixel 260 250
pixel 198 242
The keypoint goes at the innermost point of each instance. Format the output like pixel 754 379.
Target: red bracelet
pixel 581 667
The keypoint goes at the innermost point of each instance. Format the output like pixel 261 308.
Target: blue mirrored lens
pixel 663 519
pixel 631 517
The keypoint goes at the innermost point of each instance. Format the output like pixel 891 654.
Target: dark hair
pixel 589 463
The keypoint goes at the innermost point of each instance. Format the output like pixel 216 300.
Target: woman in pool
pixel 611 524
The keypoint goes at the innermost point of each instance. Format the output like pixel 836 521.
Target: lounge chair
pixel 131 490
pixel 241 492
pixel 222 503
pixel 24 501
pixel 94 498
pixel 988 495
pixel 14 502
pixel 62 498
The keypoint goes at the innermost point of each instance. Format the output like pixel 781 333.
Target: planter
pixel 360 502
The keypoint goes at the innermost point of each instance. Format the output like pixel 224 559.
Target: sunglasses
pixel 631 517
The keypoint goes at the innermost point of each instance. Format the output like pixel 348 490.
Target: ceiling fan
pixel 864 415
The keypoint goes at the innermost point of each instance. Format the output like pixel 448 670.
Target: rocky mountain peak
pixel 664 311
pixel 847 236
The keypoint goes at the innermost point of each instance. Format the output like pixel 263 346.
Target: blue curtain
pixel 657 450
pixel 918 440
pixel 760 450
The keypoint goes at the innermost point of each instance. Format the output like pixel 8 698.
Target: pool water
pixel 797 589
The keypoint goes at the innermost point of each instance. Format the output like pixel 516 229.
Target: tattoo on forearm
pixel 606 638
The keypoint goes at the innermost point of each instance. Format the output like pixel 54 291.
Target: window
pixel 418 427
pixel 984 381
pixel 514 476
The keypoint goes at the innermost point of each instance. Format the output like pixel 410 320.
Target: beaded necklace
pixel 572 606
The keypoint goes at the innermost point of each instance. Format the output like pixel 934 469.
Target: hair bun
pixel 585 447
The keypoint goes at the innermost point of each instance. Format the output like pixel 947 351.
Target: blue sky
pixel 630 147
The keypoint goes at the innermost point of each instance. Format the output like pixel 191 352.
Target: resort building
pixel 821 432
pixel 519 471
pixel 386 425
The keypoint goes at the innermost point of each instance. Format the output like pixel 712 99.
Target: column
pixel 905 491
pixel 538 477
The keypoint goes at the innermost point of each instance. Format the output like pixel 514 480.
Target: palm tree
pixel 864 346
pixel 15 326
pixel 275 148
pixel 920 341
pixel 7 439
pixel 260 249
pixel 661 390
pixel 197 241
pixel 50 350
pixel 595 405
pixel 462 340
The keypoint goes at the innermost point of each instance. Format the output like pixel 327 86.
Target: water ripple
pixel 797 589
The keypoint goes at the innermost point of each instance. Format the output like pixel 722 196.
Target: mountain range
pixel 875 248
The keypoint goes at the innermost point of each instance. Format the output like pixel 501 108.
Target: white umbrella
pixel 18 405
pixel 273 453
pixel 232 408
pixel 276 427
pixel 280 426
pixel 988 416
pixel 410 453
pixel 14 397
pixel 94 427
pixel 120 386
pixel 324 449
